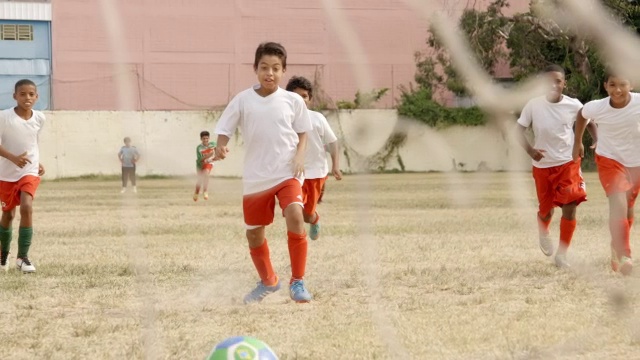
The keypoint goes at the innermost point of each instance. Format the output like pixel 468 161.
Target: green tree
pixel 528 42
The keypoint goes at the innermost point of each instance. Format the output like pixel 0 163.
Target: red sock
pixel 262 262
pixel 197 189
pixel 317 219
pixel 567 227
pixel 298 254
pixel 620 236
pixel 630 220
pixel 543 225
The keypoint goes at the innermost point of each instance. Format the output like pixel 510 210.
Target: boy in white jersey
pixel 274 125
pixel 315 164
pixel 129 157
pixel 557 177
pixel 20 171
pixel 617 158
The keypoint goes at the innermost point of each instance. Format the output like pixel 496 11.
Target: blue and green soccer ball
pixel 242 348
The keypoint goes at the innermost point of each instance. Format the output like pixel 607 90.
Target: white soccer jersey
pixel 18 136
pixel 270 127
pixel 315 161
pixel 552 125
pixel 618 129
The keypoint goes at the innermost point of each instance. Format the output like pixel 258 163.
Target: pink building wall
pixel 196 54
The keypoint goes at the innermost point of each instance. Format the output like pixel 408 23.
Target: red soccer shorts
pixel 10 191
pixel 259 208
pixel 559 185
pixel 616 178
pixel 206 167
pixel 311 191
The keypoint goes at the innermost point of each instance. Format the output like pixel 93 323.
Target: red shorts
pixel 259 208
pixel 206 167
pixel 311 191
pixel 559 185
pixel 616 178
pixel 10 191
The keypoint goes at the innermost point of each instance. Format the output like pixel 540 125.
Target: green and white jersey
pixel 202 151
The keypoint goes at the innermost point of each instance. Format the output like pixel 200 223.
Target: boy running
pixel 274 124
pixel 315 164
pixel 617 158
pixel 557 177
pixel 20 171
pixel 205 152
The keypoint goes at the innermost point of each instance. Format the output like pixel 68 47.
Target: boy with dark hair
pixel 617 158
pixel 274 125
pixel 205 152
pixel 315 165
pixel 20 171
pixel 557 177
pixel 128 156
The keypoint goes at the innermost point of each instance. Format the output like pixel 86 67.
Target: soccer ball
pixel 242 348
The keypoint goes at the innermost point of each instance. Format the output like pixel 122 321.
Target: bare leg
pixel 255 237
pixel 569 211
pixel 309 219
pixel 618 212
pixel 26 210
pixel 205 180
pixel 294 218
pixel 7 218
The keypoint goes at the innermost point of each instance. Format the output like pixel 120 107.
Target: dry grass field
pixel 416 266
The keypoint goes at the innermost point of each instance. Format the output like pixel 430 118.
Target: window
pixel 16 32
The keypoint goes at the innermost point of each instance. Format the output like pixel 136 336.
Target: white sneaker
pixel 626 265
pixel 561 261
pixel 123 190
pixel 135 190
pixel 25 265
pixel 546 245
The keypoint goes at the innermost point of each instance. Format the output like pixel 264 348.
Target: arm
pixel 221 147
pixel 136 156
pixel 40 166
pixel 20 160
pixel 198 156
pixel 578 148
pixel 226 127
pixel 593 131
pixel 298 159
pixel 210 156
pixel 120 155
pixel 535 154
pixel 332 146
pixel 334 150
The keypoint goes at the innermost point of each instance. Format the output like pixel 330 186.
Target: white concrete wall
pixel 76 143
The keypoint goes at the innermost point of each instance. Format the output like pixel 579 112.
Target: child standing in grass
pixel 205 152
pixel 274 124
pixel 557 177
pixel 315 164
pixel 617 158
pixel 20 171
pixel 128 156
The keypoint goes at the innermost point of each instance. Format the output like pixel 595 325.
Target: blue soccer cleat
pixel 298 292
pixel 260 292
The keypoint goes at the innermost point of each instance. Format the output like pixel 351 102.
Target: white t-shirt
pixel 17 136
pixel 315 161
pixel 270 127
pixel 618 129
pixel 552 125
